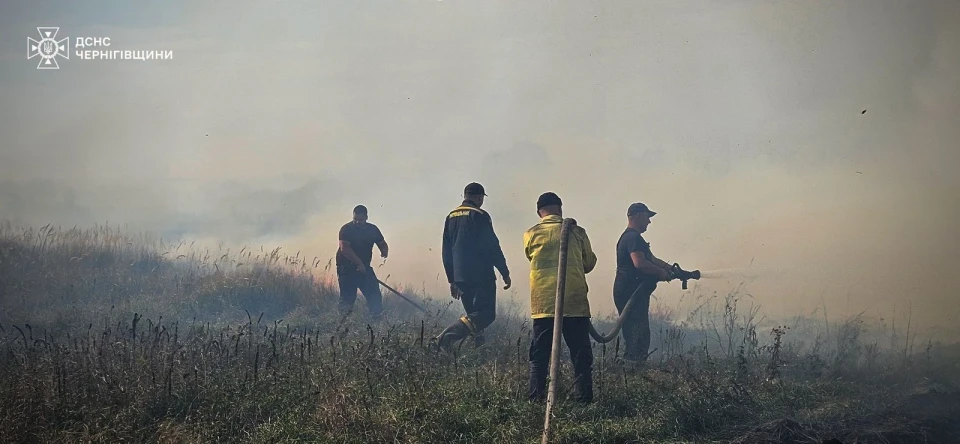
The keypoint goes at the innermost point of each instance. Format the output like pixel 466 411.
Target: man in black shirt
pixel 636 267
pixel 357 238
pixel 471 251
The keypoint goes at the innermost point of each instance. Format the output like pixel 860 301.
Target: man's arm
pixel 647 267
pixel 526 245
pixel 348 252
pixel 447 254
pixel 640 261
pixel 589 257
pixel 382 244
pixel 493 245
pixel 345 249
pixel 660 263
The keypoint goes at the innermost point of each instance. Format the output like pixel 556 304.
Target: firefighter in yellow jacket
pixel 541 244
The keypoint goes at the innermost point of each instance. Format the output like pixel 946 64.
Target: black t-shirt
pixel 362 237
pixel 631 240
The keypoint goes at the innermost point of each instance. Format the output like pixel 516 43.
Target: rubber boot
pixel 583 387
pixel 538 381
pixel 479 340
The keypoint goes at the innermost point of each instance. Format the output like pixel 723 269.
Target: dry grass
pixel 110 337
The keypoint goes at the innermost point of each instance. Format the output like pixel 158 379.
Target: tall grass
pixel 106 336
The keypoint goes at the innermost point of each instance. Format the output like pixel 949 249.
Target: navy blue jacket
pixel 471 249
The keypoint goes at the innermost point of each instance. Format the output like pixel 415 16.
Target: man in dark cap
pixel 541 244
pixel 637 267
pixel 471 251
pixel 357 239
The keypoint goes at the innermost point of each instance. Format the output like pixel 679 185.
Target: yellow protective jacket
pixel 541 243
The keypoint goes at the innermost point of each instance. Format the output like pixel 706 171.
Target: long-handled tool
pixel 402 296
pixel 557 325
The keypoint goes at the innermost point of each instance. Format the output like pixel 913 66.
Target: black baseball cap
pixel 548 198
pixel 637 208
pixel 360 209
pixel 474 188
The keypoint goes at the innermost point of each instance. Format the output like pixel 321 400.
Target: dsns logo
pixel 48 48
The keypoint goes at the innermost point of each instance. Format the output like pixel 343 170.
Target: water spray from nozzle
pixel 722 273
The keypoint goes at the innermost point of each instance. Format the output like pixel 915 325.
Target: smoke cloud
pixel 806 149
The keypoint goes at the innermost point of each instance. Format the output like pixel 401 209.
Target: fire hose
pixel 675 273
pixel 557 325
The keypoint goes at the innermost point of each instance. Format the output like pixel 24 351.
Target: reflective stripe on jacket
pixel 541 243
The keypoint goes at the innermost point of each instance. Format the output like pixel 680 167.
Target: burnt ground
pixel 931 417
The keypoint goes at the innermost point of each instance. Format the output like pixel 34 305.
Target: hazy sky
pixel 741 123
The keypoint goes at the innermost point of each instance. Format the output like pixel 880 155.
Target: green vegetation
pixel 109 337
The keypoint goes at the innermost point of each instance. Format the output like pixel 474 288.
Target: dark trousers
pixel 479 301
pixel 350 281
pixel 576 333
pixel 636 327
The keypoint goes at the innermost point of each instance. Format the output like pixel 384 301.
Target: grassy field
pixel 107 336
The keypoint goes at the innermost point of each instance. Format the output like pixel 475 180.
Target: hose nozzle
pixel 678 273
